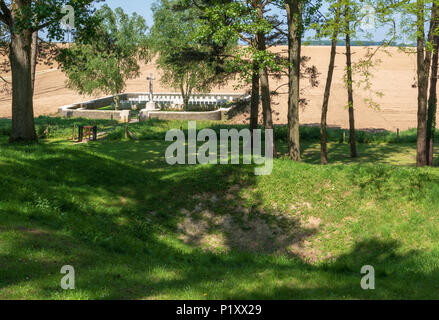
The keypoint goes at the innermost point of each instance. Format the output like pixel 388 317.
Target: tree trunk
pixel 254 100
pixel 323 146
pixel 23 126
pixel 265 85
pixel 432 100
pixel 34 57
pixel 352 142
pixel 421 147
pixel 432 104
pixel 186 96
pixel 323 142
pixel 266 106
pixel 116 99
pixel 294 18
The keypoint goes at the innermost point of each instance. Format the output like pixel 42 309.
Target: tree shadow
pixel 122 216
pixel 119 198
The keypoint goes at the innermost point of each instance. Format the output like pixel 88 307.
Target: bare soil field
pixel 394 77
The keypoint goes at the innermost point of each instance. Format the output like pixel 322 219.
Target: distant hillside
pixel 357 43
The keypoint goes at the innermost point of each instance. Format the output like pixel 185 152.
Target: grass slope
pixel 136 228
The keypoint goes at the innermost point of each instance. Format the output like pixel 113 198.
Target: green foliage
pixel 48 14
pixel 103 64
pixel 59 128
pixel 187 65
pixel 154 129
pixel 239 22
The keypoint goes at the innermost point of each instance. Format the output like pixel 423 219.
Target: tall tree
pixel 104 64
pixel 251 23
pixel 261 40
pixel 22 18
pixel 187 65
pixel 415 18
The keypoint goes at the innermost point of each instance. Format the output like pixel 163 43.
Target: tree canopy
pixel 187 64
pixel 104 63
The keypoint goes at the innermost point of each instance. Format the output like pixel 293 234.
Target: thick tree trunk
pixel 34 57
pixel 323 123
pixel 352 142
pixel 23 126
pixel 294 18
pixel 254 100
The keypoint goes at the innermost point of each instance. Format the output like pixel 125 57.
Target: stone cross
pixel 150 78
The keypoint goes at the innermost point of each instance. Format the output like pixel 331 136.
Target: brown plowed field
pixel 394 77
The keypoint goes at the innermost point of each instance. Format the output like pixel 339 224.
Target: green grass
pixel 156 129
pixel 114 210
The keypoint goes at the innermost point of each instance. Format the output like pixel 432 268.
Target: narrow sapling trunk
pixel 34 57
pixel 352 142
pixel 323 122
pixel 254 100
pixel 266 106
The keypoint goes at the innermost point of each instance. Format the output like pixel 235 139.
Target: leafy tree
pixel 104 63
pixel 21 18
pixel 420 21
pixel 346 18
pixel 248 22
pixel 255 28
pixel 187 65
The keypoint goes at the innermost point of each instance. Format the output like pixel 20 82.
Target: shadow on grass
pixel 403 154
pixel 112 210
pixel 114 199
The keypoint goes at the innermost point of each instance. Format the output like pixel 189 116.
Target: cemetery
pixel 150 105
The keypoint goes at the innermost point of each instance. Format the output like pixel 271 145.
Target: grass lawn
pixel 135 227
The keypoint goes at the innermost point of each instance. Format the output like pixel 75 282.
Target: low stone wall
pixel 175 115
pixel 86 110
pixel 121 116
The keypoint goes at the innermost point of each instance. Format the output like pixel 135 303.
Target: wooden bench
pixel 90 131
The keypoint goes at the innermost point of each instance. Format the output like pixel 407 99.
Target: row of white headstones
pixel 176 99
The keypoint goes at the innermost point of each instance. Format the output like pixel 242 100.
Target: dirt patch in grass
pixel 246 229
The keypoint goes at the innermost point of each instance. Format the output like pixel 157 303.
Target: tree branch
pixel 5 15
